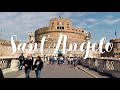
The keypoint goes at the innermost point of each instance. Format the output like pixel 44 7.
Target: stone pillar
pixel 14 65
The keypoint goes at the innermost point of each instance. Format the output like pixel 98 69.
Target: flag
pixel 115 33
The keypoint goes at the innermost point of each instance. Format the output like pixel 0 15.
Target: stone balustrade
pixel 11 63
pixel 108 66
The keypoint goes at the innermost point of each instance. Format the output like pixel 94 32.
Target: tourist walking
pixel 1 72
pixel 71 60
pixel 21 61
pixel 38 66
pixel 68 59
pixel 75 61
pixel 61 59
pixel 50 60
pixel 28 65
pixel 53 60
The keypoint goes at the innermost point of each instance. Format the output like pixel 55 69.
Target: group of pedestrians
pixel 61 59
pixel 29 66
pixel 74 60
pixel 57 60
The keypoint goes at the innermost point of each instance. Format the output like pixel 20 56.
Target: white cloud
pixel 7 15
pixel 91 20
pixel 109 16
pixel 111 21
pixel 107 20
pixel 21 22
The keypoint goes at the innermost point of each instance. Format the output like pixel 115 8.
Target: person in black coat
pixel 38 66
pixel 21 60
pixel 28 65
pixel 1 73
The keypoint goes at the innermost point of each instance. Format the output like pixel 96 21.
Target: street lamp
pixel 88 37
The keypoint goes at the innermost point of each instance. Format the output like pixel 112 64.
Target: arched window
pixel 57 27
pixel 82 31
pixel 67 23
pixel 57 23
pixel 62 23
pixel 52 23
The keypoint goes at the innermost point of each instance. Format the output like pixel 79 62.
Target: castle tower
pixel 59 26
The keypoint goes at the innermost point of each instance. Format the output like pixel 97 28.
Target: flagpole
pixel 115 34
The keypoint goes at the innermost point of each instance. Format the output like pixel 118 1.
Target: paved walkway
pixel 59 71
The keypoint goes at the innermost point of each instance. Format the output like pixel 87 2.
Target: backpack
pixel 21 58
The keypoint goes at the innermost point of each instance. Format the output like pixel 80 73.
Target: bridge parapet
pixel 109 66
pixel 11 63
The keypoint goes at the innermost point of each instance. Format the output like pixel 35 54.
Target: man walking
pixel 38 66
pixel 28 65
pixel 21 60
pixel 53 59
pixel 75 61
pixel 1 73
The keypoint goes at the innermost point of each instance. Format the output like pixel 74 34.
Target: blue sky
pixel 100 24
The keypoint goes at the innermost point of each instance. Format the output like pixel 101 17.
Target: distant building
pixel 60 26
pixel 116 48
pixel 115 51
pixel 5 47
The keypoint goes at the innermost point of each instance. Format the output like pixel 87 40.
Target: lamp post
pixel 88 37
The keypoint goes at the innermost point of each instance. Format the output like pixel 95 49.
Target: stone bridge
pixel 88 68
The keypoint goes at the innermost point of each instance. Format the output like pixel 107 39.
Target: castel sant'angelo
pixel 59 26
pixel 52 32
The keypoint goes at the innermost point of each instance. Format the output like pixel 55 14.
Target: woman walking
pixel 38 66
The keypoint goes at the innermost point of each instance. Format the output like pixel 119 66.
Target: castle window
pixel 62 23
pixel 52 23
pixel 57 27
pixel 57 23
pixel 82 31
pixel 67 23
pixel 62 27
